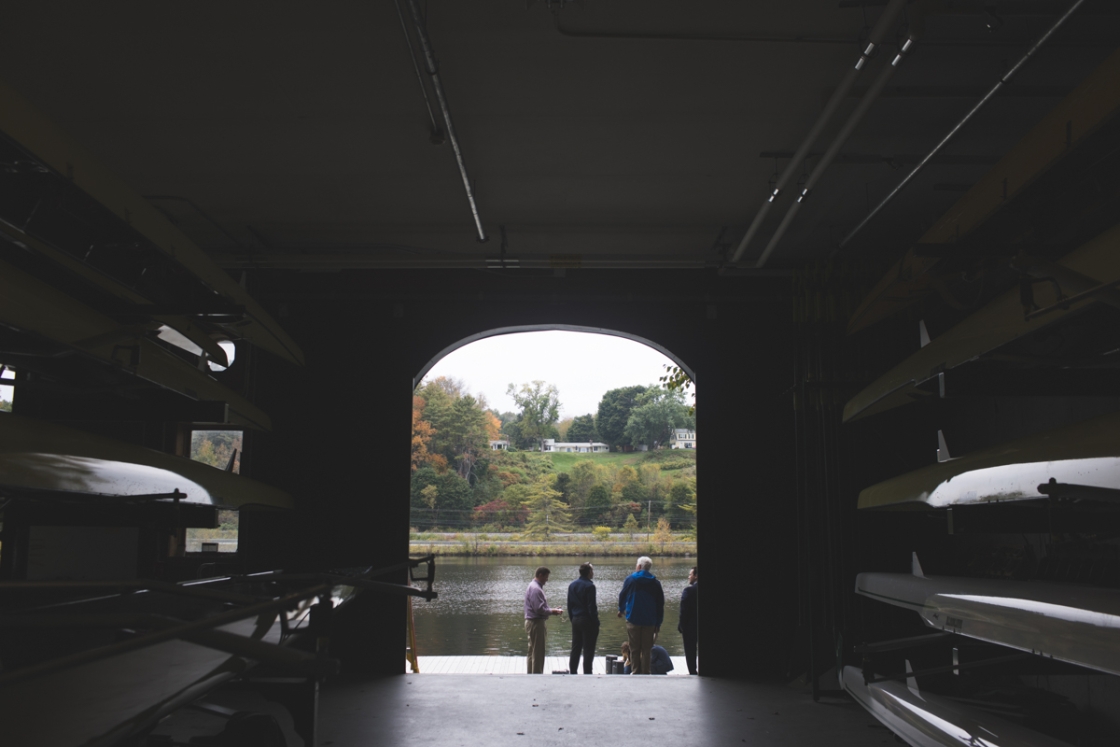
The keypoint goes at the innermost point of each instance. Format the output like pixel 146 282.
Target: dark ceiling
pixel 638 133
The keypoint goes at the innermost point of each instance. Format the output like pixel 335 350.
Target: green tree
pixel 657 413
pixel 614 412
pixel 564 486
pixel 598 505
pixel 583 429
pixel 540 409
pixel 682 499
pixel 585 475
pixel 631 526
pixel 547 513
pixel 676 380
pixel 439 499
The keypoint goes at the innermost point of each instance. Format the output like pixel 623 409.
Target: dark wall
pixel 341 424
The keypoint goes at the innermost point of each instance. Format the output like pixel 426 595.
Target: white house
pixel 502 445
pixel 682 438
pixel 575 447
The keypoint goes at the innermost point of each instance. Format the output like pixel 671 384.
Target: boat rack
pixel 285 603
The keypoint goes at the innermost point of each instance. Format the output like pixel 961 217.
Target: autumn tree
pixel 460 426
pixel 540 409
pixel 216 448
pixel 422 433
pixel 663 534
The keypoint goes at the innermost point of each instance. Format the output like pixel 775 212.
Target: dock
pixel 513 665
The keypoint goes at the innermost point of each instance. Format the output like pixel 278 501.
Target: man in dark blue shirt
pixel 688 625
pixel 584 614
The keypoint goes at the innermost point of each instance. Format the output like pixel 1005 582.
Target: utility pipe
pixel 441 98
pixel 878 32
pixel 960 125
pixel 837 143
pixel 436 136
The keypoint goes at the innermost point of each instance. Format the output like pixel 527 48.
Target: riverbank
pixel 468 544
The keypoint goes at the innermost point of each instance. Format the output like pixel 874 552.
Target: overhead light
pixel 991 20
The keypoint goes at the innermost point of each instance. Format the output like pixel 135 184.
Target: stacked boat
pixel 1065 481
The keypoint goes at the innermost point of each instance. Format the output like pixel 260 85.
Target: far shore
pixel 471 544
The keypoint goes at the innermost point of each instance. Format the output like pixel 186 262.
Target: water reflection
pixel 480 610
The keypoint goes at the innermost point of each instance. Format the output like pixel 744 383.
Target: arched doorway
pixel 613 496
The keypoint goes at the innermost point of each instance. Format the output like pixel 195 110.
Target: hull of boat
pixel 1086 454
pixel 1079 625
pixel 925 720
pixel 45 458
pixel 102 702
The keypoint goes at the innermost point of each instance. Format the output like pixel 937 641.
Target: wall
pixel 341 424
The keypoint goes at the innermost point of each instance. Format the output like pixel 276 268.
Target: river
pixel 480 609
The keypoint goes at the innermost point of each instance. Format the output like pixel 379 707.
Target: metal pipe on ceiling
pixel 436 136
pixel 882 26
pixel 960 125
pixel 838 142
pixel 441 99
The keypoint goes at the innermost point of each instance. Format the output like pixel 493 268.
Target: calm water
pixel 480 610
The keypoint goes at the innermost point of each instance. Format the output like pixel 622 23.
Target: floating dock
pixel 513 665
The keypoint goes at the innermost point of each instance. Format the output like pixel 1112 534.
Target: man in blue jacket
pixel 642 601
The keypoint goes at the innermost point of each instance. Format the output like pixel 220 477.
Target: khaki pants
pixel 536 630
pixel 641 638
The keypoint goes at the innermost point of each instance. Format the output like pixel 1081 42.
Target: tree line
pixel 458 482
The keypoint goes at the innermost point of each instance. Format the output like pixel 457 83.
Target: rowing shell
pixel 1075 624
pixel 925 720
pixel 42 459
pixel 1084 454
pixel 1002 321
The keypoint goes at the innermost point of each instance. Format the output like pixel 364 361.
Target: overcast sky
pixel 581 365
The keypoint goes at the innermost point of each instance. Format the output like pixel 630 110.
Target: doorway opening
pixel 548 446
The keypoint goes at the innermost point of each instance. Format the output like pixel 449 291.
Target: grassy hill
pixel 668 459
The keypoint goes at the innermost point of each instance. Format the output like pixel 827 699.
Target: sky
pixel 583 366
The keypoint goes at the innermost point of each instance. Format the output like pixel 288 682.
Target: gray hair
pixel 645 563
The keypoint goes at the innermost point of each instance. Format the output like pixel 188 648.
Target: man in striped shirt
pixel 537 613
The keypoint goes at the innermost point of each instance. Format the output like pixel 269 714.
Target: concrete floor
pixel 531 711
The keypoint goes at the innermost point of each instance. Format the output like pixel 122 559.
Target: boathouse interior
pixel 792 197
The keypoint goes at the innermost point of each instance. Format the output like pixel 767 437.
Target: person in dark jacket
pixel 584 614
pixel 659 660
pixel 690 604
pixel 642 601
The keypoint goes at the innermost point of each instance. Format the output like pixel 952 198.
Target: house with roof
pixel 575 447
pixel 682 438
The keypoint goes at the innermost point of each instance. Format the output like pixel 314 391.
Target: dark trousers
pixel 689 637
pixel 585 633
